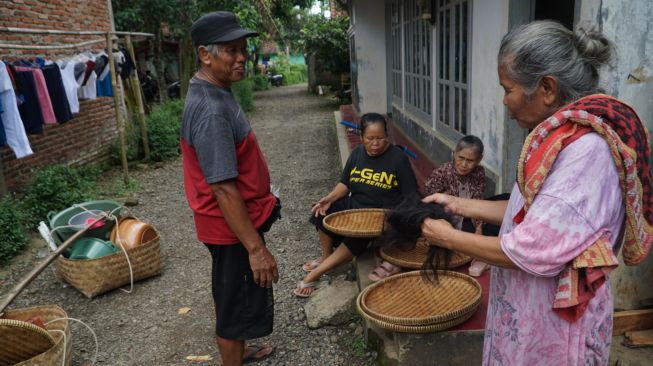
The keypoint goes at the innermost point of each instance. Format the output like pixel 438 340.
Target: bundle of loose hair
pixel 403 228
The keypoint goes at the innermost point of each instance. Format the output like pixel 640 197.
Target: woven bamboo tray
pixel 96 276
pixel 407 299
pixel 25 344
pixel 436 327
pixel 356 223
pixel 414 259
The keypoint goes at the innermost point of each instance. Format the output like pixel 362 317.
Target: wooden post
pixel 139 99
pixel 116 104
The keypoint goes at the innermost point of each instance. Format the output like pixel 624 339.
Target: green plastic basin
pixel 91 248
pixel 63 217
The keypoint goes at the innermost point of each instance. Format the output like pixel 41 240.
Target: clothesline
pixel 110 37
pixel 63 46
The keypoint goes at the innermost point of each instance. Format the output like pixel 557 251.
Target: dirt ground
pixel 297 135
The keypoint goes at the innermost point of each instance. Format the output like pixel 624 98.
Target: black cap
pixel 217 27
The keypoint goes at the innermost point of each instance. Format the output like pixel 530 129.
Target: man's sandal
pixel 386 269
pixel 258 352
pixel 303 285
pixel 311 265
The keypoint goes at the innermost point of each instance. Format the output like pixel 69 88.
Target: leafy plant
pixel 54 188
pixel 244 93
pixel 12 231
pixel 260 82
pixel 163 128
pixel 327 38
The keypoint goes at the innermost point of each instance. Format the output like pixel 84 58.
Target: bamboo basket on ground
pixel 356 223
pixel 96 276
pixel 407 303
pixel 414 259
pixel 25 344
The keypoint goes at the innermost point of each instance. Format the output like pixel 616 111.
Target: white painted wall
pixel 369 30
pixel 628 25
pixel 489 24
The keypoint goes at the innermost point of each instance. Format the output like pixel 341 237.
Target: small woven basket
pixel 96 276
pixel 407 299
pixel 25 344
pixel 414 259
pixel 356 223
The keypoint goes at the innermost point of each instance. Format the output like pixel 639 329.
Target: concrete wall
pixel 88 136
pixel 369 29
pixel 489 23
pixel 630 78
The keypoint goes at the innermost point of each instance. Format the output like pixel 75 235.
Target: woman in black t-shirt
pixel 376 175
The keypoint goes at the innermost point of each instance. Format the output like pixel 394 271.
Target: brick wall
pixel 87 137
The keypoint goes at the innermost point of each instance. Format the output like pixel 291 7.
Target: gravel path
pixel 296 133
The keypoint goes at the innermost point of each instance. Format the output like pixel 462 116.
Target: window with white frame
pixel 395 61
pixel 411 56
pixel 452 70
pixel 417 44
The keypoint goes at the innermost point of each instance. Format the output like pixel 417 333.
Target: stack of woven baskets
pixel 27 344
pixel 407 303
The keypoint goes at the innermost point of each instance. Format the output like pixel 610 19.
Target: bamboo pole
pixel 20 286
pixel 139 99
pixel 116 104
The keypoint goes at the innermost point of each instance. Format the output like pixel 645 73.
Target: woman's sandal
pixel 385 269
pixel 303 285
pixel 258 352
pixel 311 265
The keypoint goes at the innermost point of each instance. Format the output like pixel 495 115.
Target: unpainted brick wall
pixel 88 136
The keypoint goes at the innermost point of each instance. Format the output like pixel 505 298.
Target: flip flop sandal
pixel 257 349
pixel 303 285
pixel 385 269
pixel 310 266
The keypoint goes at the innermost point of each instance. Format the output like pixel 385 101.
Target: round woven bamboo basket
pixel 356 223
pixel 410 300
pixel 25 344
pixel 414 259
pixel 430 328
pixel 96 276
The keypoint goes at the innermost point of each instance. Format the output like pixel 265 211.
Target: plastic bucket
pixel 62 218
pixel 91 248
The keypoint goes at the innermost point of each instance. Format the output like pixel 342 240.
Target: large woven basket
pixel 96 276
pixel 356 223
pixel 414 259
pixel 407 299
pixel 25 344
pixel 429 328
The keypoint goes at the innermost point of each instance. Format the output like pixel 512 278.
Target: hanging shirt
pixel 28 101
pixel 67 70
pixel 11 121
pixel 57 93
pixel 89 90
pixel 42 94
pixel 103 86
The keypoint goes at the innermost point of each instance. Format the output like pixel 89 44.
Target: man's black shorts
pixel 243 309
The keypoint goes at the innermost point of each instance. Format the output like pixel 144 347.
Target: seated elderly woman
pixel 583 185
pixel 375 157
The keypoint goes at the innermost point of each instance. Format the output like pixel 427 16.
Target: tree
pixel 327 38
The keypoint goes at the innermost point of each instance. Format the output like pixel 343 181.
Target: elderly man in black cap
pixel 227 186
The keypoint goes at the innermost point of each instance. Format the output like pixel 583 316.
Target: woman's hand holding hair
pixel 450 203
pixel 437 232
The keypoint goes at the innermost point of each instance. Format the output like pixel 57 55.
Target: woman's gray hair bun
pixel 530 52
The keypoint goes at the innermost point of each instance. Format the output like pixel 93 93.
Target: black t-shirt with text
pixel 380 181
